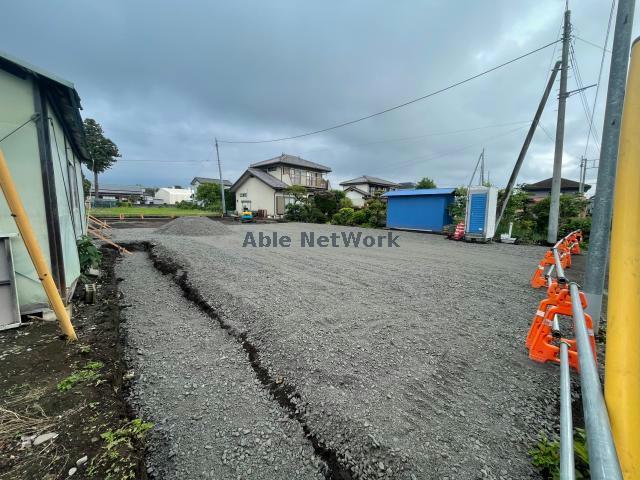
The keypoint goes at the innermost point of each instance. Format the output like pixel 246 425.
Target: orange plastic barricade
pixel 543 342
pixel 538 279
pixel 553 291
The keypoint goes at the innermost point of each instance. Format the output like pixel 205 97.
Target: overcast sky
pixel 164 78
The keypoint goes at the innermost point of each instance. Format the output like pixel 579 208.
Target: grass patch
pixel 151 211
pixel 115 458
pixel 545 456
pixel 88 373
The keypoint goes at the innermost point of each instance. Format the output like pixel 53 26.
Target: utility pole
pixel 224 207
pixel 603 200
pixel 482 168
pixel 554 209
pixel 527 142
pixel 583 169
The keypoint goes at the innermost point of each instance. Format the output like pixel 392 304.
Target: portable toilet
pixel 480 218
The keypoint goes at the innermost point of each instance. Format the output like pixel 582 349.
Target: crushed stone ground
pixel 193 227
pixel 213 420
pixel 410 360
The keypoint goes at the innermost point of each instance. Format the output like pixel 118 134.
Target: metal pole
pixel 527 142
pixel 603 200
pixel 603 461
pixel 224 207
pixel 583 168
pixel 559 270
pixel 554 208
pixel 567 468
pixel 482 168
pixel 622 370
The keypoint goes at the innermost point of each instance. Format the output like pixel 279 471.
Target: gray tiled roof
pixel 371 180
pixel 263 176
pixel 226 183
pixel 291 160
pixel 565 184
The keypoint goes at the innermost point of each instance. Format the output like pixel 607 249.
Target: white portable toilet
pixel 480 218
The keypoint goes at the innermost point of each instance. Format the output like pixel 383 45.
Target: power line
pixel 583 99
pixel 595 98
pixel 604 49
pixel 396 107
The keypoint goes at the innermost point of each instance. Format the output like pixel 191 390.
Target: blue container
pixel 424 210
pixel 477 213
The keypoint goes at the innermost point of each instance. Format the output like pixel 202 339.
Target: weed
pixel 546 456
pixel 116 451
pixel 88 373
pixel 85 349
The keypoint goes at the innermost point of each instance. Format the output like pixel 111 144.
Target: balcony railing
pixel 308 181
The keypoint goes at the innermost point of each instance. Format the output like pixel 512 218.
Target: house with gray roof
pixel 263 185
pixel 362 188
pixel 197 181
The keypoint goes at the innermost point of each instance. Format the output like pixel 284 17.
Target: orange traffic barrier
pixel 538 279
pixel 543 342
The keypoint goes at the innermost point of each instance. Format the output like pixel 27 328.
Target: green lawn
pixel 149 211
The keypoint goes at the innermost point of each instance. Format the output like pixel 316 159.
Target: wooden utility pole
pixel 224 207
pixel 554 209
pixel 527 142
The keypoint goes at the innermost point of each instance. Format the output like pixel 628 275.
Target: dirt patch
pixel 193 227
pixel 71 392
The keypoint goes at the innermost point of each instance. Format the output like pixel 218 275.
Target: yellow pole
pixel 30 241
pixel 622 369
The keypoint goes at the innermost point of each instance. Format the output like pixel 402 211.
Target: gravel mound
pixel 193 227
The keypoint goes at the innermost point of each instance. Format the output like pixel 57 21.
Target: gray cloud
pixel 164 78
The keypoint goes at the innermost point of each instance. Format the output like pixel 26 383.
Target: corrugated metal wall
pixel 419 212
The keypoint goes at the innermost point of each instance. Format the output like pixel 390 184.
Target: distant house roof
pixel 62 96
pixel 370 180
pixel 565 185
pixel 356 189
pixel 422 191
pixel 406 185
pixel 261 175
pixel 119 189
pixel 195 180
pixel 293 161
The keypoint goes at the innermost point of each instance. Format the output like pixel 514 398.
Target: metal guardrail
pixel 603 460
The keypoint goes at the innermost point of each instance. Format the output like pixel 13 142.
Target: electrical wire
pixel 396 107
pixel 595 98
pixel 583 99
pixel 604 49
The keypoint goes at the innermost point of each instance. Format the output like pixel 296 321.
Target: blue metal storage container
pixel 424 210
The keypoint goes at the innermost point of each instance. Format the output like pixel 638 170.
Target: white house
pixel 171 196
pixel 262 186
pixel 197 181
pixel 360 189
pixel 44 145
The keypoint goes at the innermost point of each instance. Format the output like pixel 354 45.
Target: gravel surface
pixel 193 380
pixel 193 227
pixel 409 362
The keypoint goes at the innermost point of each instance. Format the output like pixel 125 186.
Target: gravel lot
pixel 407 362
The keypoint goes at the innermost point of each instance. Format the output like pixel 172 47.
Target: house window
pixel 242 195
pixel 246 204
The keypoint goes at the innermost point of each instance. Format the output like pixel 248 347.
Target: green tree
pixel 458 208
pixel 209 195
pixel 571 206
pixel 86 185
pixel 298 192
pixel 426 182
pixel 102 151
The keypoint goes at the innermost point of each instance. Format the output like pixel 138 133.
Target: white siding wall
pixel 260 194
pixel 356 198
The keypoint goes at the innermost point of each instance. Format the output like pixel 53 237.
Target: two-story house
pixel 360 189
pixel 263 185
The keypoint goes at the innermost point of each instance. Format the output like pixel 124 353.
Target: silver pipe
pixel 555 325
pixel 603 461
pixel 549 273
pixel 567 468
pixel 559 269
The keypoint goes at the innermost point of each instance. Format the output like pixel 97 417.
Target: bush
pixel 344 216
pixel 123 203
pixel 361 217
pixel 89 255
pixel 186 205
pixel 575 223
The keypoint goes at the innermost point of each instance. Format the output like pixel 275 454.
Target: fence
pixel 546 343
